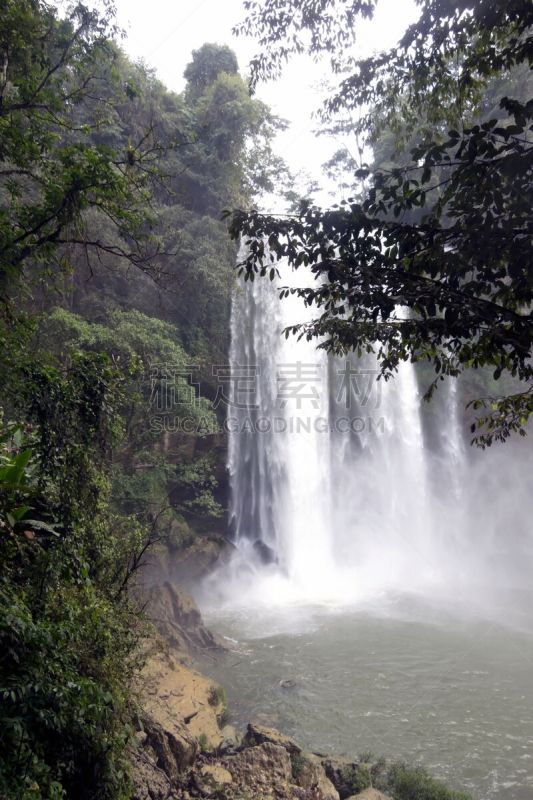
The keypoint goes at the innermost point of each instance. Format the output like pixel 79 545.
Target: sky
pixel 163 33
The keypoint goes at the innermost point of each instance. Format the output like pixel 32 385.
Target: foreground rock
pixel 263 770
pixel 182 711
pixel 171 762
pixel 259 734
pixel 182 702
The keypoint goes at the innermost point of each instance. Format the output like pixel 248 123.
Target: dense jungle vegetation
pixel 113 258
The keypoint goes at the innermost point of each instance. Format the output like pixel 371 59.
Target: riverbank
pixel 184 747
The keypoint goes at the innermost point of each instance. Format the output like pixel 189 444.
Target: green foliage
pixel 217 696
pixel 432 261
pixel 415 784
pixel 197 484
pixel 150 482
pixel 67 645
pixel 367 772
pixel 396 780
pixel 207 64
pixel 357 777
pixel 54 173
pixel 224 718
pixel 63 673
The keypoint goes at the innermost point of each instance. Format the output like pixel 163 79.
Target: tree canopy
pixel 431 261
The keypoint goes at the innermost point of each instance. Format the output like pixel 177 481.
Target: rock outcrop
pixel 182 753
pixel 312 776
pixel 260 734
pixel 177 618
pixel 181 701
pixel 263 771
pixel 150 781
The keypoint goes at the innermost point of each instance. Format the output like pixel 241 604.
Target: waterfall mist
pixel 348 490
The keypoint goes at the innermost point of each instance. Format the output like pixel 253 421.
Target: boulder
pixel 310 775
pixel 230 738
pixel 307 778
pixel 263 772
pixel 259 734
pixel 174 749
pixel 150 782
pixel 210 780
pixel 370 794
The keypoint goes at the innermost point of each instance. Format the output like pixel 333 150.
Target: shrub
pixel 415 784
pixel 64 705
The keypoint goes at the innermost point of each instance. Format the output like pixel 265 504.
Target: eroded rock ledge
pixel 265 766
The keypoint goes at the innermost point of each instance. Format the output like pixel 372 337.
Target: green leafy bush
pixel 64 701
pixel 405 783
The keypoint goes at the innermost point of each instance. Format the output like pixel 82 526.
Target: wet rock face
pixel 177 618
pixel 189 565
pixel 265 553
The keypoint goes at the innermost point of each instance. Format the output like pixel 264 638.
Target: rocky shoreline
pixel 184 747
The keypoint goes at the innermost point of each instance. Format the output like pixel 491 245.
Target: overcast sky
pixel 164 34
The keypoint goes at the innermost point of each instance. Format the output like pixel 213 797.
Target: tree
pixel 59 88
pixel 207 64
pixel 451 284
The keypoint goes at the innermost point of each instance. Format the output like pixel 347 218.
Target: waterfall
pixel 278 447
pixel 326 462
pixel 339 491
pixel 256 454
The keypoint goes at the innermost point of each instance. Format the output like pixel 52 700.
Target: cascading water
pixel 379 591
pixel 256 457
pixel 278 450
pixel 340 488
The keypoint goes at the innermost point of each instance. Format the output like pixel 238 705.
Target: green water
pixel 455 696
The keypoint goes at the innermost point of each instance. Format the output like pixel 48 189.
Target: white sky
pixel 164 34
